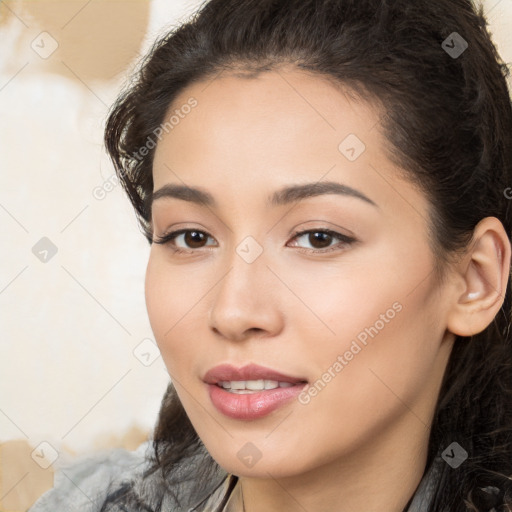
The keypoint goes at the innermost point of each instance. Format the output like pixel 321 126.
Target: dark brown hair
pixel 448 122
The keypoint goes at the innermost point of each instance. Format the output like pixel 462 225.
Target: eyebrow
pixel 286 195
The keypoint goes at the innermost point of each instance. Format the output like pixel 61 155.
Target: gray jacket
pixel 84 485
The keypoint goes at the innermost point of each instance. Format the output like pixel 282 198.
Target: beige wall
pixel 69 326
pixel 69 376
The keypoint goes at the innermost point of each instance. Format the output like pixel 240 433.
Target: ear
pixel 482 278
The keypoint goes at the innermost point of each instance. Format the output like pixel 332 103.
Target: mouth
pixel 250 377
pixel 243 387
pixel 263 389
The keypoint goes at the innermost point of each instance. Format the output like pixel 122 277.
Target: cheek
pixel 381 319
pixel 388 358
pixel 157 300
pixel 335 302
pixel 170 296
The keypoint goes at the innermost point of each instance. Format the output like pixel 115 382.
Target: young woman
pixel 325 185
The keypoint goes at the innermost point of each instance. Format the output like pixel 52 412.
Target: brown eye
pixel 194 239
pixel 319 239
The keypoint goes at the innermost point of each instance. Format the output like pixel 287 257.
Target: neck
pixel 380 475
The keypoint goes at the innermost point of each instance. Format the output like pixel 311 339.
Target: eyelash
pixel 345 240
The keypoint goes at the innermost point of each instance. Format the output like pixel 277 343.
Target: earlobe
pixel 484 272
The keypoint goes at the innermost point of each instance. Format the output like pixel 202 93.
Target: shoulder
pixel 84 484
pixel 94 483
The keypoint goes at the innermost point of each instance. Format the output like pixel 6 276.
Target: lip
pixel 225 372
pixel 255 405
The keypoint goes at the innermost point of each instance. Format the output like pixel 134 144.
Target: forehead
pixel 273 117
pixel 247 137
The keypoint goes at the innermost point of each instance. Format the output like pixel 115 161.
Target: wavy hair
pixel 447 120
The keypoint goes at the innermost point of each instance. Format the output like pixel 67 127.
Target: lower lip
pixel 251 406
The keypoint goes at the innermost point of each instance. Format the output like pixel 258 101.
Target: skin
pixel 360 443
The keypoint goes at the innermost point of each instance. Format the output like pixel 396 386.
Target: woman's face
pixel 356 313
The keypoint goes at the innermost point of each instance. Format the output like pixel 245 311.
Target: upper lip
pixel 227 372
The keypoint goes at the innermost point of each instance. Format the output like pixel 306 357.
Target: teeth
pixel 253 385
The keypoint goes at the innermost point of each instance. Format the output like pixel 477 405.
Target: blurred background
pixel 79 369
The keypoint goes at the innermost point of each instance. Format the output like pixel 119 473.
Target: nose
pixel 246 301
